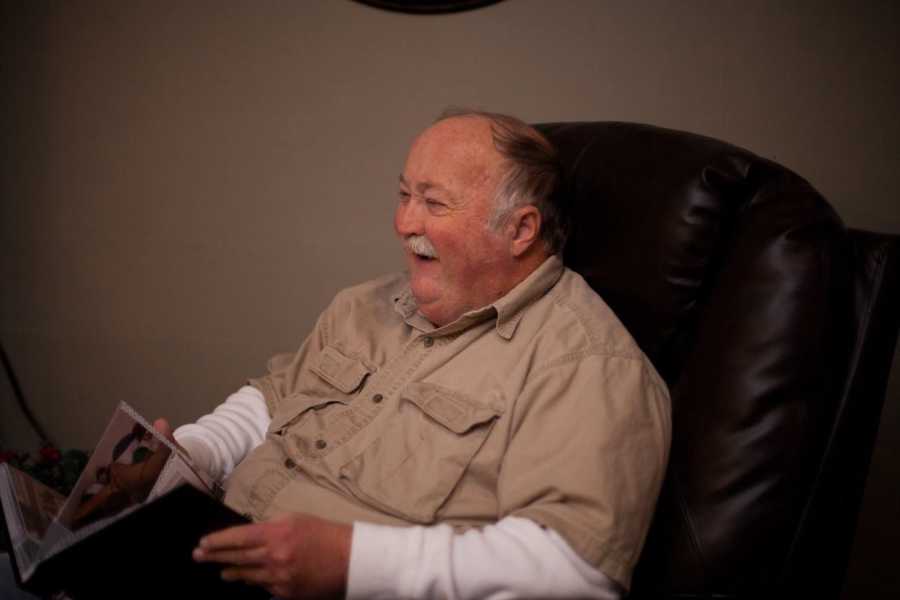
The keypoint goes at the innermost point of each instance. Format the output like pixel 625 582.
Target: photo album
pixel 132 519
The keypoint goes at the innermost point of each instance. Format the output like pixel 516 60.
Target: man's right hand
pixel 293 556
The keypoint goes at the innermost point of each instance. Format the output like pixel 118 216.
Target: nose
pixel 408 219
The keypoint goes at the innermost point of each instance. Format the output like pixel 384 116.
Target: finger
pixel 256 556
pixel 253 575
pixel 162 426
pixel 240 536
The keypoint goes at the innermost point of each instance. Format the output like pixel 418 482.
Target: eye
pixel 403 195
pixel 435 207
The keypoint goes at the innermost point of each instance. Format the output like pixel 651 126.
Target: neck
pixel 526 264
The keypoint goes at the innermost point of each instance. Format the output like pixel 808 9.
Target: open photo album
pixel 134 515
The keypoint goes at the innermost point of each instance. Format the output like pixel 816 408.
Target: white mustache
pixel 421 245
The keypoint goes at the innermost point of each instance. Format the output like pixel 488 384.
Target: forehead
pixel 455 152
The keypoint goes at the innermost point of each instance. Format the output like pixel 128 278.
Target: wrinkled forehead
pixel 459 148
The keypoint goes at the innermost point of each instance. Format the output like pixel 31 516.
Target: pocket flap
pixel 454 410
pixel 292 407
pixel 343 372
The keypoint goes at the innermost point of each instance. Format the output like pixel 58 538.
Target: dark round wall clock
pixel 428 7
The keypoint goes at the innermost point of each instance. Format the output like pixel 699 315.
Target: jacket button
pixel 377 398
pixel 289 464
pixel 429 342
pixel 320 444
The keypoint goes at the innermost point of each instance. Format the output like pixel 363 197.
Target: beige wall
pixel 186 184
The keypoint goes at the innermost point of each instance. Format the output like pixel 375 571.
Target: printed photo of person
pixel 136 461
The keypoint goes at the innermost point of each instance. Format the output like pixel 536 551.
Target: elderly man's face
pixel 447 198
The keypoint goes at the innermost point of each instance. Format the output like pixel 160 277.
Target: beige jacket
pixel 540 406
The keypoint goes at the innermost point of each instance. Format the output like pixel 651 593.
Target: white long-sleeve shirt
pixel 514 558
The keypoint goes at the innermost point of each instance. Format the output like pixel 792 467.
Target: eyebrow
pixel 425 186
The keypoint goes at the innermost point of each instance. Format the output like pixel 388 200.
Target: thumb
pixel 162 426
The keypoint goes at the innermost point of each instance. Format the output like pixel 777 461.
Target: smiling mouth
pixel 424 257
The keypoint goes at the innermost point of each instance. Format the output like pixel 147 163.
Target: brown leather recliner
pixel 774 326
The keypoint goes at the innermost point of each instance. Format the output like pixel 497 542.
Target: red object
pixel 50 454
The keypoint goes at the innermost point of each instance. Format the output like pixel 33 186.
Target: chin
pixel 435 316
pixel 429 304
pixel 424 290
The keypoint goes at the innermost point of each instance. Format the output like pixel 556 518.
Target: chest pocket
pixel 410 470
pixel 320 416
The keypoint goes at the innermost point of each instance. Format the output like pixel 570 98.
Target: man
pixel 479 426
pixel 483 421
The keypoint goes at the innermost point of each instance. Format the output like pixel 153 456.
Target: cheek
pixel 464 255
pixel 451 245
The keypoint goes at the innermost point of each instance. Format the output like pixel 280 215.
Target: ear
pixel 524 227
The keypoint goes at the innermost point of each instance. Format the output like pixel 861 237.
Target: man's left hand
pixel 294 556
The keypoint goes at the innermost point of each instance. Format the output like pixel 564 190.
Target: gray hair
pixel 532 177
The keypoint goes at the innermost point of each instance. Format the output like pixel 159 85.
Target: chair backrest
pixel 774 326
